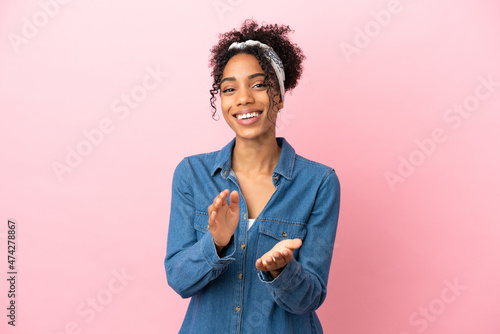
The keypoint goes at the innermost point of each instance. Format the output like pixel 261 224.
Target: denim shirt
pixel 228 294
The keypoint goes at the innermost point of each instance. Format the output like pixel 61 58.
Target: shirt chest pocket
pixel 200 223
pixel 272 231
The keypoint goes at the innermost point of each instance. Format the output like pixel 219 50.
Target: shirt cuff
pixel 210 252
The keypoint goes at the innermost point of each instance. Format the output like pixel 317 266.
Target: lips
pixel 246 111
pixel 248 115
pixel 254 117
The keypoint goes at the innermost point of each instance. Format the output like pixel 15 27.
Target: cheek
pixel 226 115
pixel 225 104
pixel 225 111
pixel 272 118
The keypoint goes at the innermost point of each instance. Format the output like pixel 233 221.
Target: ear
pixel 280 104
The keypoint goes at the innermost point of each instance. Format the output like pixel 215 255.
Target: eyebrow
pixel 251 76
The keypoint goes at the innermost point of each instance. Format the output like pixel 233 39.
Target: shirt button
pixel 243 246
pixel 208 227
pixel 284 234
pixel 225 172
pixel 276 177
pixel 238 308
pixel 240 276
pixel 244 216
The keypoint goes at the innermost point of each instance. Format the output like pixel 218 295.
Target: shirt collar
pixel 284 167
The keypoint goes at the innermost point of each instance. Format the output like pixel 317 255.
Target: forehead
pixel 242 64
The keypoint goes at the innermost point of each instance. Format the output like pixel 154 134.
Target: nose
pixel 244 96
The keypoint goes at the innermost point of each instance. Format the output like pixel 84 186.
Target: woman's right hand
pixel 223 219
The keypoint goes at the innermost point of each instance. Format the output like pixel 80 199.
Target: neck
pixel 255 156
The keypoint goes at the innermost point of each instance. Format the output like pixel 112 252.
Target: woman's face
pixel 244 99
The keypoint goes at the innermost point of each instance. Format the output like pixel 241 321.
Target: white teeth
pixel 248 115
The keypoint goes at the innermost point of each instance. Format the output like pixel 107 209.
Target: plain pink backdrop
pixel 381 77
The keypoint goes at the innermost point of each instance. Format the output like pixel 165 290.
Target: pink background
pixel 400 245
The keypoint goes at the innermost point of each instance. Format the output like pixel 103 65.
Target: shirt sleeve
pixel 190 264
pixel 301 285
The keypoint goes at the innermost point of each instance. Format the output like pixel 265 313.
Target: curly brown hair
pixel 274 35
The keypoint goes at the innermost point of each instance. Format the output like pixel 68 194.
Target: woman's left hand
pixel 282 253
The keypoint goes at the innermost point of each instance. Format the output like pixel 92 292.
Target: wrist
pixel 218 248
pixel 276 273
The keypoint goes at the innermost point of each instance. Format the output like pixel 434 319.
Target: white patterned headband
pixel 271 55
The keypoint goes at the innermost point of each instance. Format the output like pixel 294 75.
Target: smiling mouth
pixel 248 115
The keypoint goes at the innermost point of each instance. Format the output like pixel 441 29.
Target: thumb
pixel 292 243
pixel 234 200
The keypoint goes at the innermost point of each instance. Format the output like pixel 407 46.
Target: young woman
pixel 252 226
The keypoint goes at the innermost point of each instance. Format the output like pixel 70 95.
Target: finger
pixel 279 260
pixel 269 261
pixel 273 261
pixel 223 194
pixel 272 266
pixel 281 254
pixel 292 244
pixel 287 255
pixel 219 200
pixel 211 218
pixel 218 203
pixel 283 257
pixel 234 201
pixel 259 264
pixel 235 197
pixel 277 256
pixel 217 197
pixel 211 207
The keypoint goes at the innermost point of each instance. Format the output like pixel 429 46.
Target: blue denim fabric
pixel 228 294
